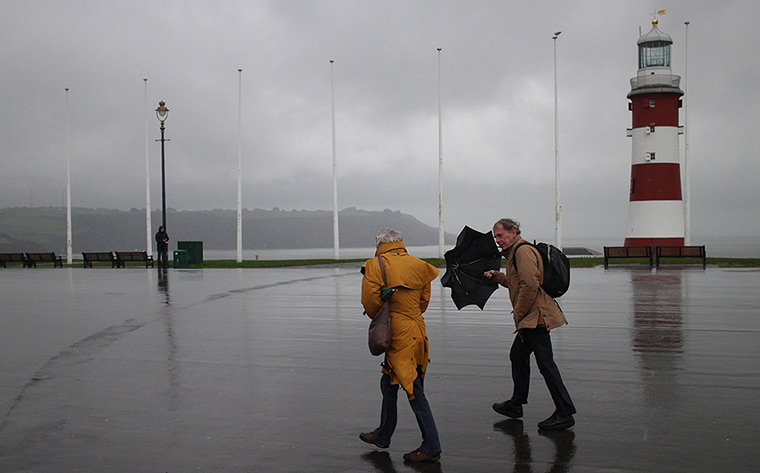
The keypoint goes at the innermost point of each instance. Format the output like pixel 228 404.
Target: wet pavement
pixel 267 370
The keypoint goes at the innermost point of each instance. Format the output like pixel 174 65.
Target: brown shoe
pixel 417 456
pixel 369 437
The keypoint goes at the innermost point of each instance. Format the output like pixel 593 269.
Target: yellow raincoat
pixel 411 278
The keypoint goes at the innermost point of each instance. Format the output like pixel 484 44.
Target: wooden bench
pixel 682 252
pixel 33 258
pixel 90 257
pixel 12 258
pixel 627 252
pixel 123 256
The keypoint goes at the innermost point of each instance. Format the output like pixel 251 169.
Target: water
pixel 717 247
pixel 747 246
pixel 313 253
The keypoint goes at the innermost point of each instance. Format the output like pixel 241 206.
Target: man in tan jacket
pixel 535 314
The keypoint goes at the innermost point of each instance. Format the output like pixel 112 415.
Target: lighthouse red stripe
pixel 655 181
pixel 664 112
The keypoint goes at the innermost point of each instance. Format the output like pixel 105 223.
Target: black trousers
pixel 538 342
pixel 163 260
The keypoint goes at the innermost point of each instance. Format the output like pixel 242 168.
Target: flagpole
pixel 148 224
pixel 240 170
pixel 557 206
pixel 440 164
pixel 336 239
pixel 68 185
pixel 686 183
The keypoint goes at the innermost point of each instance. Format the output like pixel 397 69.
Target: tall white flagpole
pixel 686 183
pixel 557 206
pixel 440 164
pixel 240 170
pixel 68 185
pixel 148 224
pixel 336 239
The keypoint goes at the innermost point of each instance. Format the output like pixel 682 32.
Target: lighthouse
pixel 655 209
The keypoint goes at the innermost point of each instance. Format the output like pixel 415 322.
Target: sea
pixel 717 247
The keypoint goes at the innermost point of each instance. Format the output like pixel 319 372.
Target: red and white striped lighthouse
pixel 655 209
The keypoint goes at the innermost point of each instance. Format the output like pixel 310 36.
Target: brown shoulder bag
pixel 380 335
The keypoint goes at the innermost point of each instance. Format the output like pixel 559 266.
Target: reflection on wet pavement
pixel 382 462
pixel 657 342
pixel 563 442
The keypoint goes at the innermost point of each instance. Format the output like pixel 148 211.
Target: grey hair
pixel 387 235
pixel 508 224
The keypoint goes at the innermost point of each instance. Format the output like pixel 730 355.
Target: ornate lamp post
pixel 162 113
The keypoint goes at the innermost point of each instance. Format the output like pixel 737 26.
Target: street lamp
pixel 162 113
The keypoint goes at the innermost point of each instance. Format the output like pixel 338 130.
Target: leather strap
pixel 382 269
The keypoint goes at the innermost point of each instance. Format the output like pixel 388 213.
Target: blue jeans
pixel 538 342
pixel 389 415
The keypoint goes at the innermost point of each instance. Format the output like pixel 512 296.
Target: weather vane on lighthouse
pixel 654 16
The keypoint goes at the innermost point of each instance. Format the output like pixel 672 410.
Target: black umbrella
pixel 474 254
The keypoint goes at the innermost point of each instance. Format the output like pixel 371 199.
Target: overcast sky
pixel 497 99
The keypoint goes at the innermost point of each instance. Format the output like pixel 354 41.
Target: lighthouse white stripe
pixel 655 219
pixel 663 142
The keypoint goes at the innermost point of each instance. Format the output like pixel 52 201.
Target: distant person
pixel 162 246
pixel 406 360
pixel 535 314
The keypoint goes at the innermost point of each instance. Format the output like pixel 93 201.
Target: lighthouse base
pixel 655 223
pixel 654 241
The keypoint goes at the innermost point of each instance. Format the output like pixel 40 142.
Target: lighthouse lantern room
pixel 655 211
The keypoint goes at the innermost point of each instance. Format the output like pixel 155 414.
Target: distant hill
pixel 44 229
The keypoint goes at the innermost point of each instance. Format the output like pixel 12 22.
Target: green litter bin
pixel 181 258
pixel 194 250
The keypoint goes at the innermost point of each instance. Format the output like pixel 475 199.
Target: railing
pixel 655 80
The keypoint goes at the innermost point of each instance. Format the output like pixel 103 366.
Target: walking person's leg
pixel 389 411
pixel 381 437
pixel 519 358
pixel 564 407
pixel 430 449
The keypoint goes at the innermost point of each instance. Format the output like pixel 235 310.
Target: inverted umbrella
pixel 474 254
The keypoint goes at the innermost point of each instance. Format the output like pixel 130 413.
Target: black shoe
pixel 369 437
pixel 556 422
pixel 508 409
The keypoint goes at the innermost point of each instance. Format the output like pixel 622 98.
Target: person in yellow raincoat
pixel 406 360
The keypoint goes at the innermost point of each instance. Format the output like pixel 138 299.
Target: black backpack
pixel 556 280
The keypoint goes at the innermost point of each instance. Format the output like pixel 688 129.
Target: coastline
pixel 716 247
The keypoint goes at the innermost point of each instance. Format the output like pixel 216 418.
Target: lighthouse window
pixel 654 54
pixel 651 103
pixel 651 129
pixel 649 157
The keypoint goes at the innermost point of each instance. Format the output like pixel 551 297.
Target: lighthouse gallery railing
pixel 656 80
